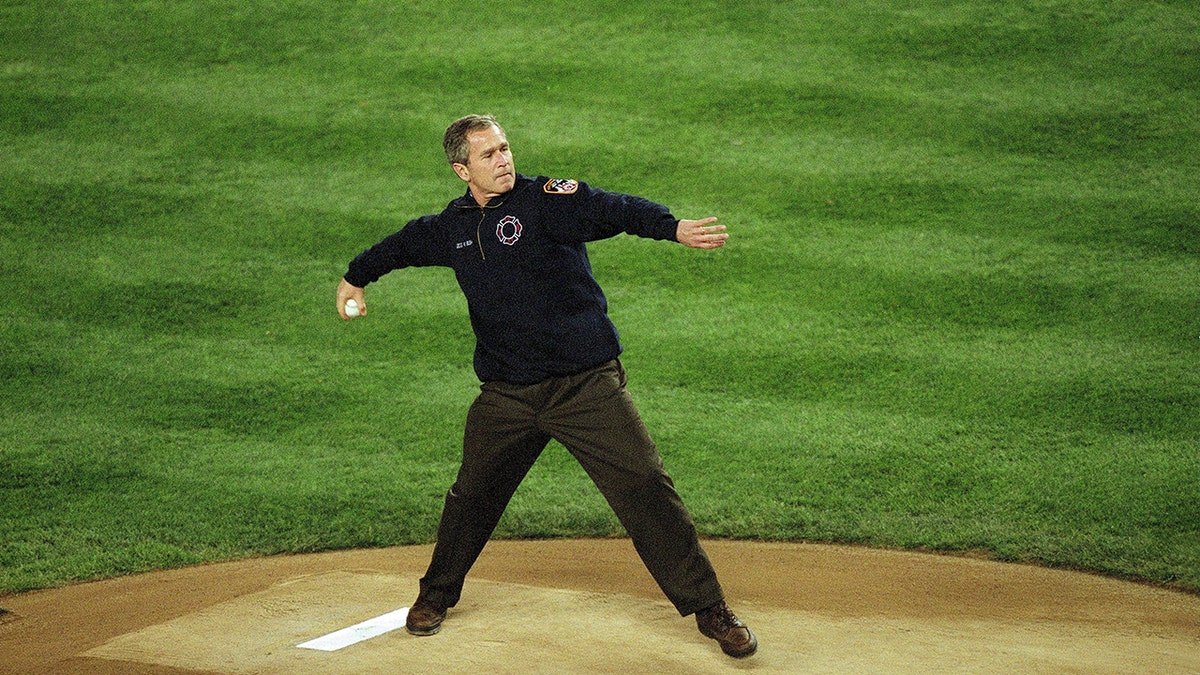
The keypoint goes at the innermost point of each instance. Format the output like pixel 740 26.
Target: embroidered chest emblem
pixel 508 230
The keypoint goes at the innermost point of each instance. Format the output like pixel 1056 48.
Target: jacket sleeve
pixel 416 245
pixel 588 214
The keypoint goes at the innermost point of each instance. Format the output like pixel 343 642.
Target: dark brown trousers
pixel 593 416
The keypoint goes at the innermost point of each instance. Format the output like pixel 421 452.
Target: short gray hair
pixel 458 149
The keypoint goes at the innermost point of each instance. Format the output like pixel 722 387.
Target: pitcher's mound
pixel 590 607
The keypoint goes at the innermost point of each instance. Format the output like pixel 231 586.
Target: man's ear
pixel 462 171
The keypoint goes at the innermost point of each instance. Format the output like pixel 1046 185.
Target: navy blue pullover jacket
pixel 535 307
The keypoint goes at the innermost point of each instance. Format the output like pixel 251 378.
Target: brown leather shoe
pixel 424 617
pixel 721 624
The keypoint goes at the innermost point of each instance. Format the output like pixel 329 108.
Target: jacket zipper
pixel 479 231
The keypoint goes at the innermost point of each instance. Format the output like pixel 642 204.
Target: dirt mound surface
pixel 589 606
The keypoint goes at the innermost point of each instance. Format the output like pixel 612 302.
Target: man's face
pixel 489 169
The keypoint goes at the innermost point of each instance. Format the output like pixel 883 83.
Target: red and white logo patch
pixel 561 186
pixel 508 230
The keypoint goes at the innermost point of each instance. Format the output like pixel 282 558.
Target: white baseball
pixel 351 307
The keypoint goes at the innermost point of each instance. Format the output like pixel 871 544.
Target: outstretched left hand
pixel 701 233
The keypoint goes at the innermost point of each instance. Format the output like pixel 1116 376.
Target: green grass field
pixel 960 311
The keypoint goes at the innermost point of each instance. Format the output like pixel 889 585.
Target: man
pixel 547 356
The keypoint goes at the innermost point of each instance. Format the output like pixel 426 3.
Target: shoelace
pixel 723 618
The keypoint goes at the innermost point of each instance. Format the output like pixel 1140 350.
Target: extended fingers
pixel 711 236
pixel 702 233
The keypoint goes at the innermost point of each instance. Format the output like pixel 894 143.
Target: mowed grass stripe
pixel 958 313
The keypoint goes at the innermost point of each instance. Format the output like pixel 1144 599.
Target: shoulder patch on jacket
pixel 561 186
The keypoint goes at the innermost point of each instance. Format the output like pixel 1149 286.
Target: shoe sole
pixel 424 632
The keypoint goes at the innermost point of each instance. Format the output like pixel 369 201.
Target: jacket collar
pixel 467 201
